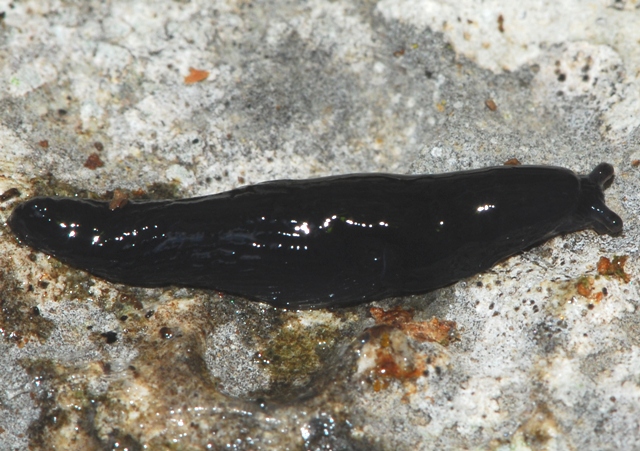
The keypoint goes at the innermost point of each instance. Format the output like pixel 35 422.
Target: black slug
pixel 326 242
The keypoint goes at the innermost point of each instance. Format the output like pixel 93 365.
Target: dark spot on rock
pixel 501 23
pixel 166 333
pixel 9 194
pixel 111 337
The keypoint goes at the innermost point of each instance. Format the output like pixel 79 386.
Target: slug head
pixel 592 211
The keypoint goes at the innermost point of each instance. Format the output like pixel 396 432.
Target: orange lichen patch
pixel 491 104
pixel 603 265
pixel 388 366
pixel 93 162
pixel 393 317
pixel 44 144
pixel 391 358
pixel 392 351
pixel 512 162
pixel 635 163
pixel 614 268
pixel 196 76
pixel 387 369
pixel 435 330
pixel 398 53
pixel 584 286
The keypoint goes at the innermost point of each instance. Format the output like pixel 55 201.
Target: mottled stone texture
pixel 542 352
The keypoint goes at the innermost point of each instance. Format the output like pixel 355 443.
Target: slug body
pixel 326 242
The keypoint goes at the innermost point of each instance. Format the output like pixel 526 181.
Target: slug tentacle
pixel 327 242
pixel 592 211
pixel 602 175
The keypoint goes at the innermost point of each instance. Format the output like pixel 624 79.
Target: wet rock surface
pixel 122 100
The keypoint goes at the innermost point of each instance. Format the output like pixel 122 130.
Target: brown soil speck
pixel 93 162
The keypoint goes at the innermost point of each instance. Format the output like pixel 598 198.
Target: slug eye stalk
pixel 592 211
